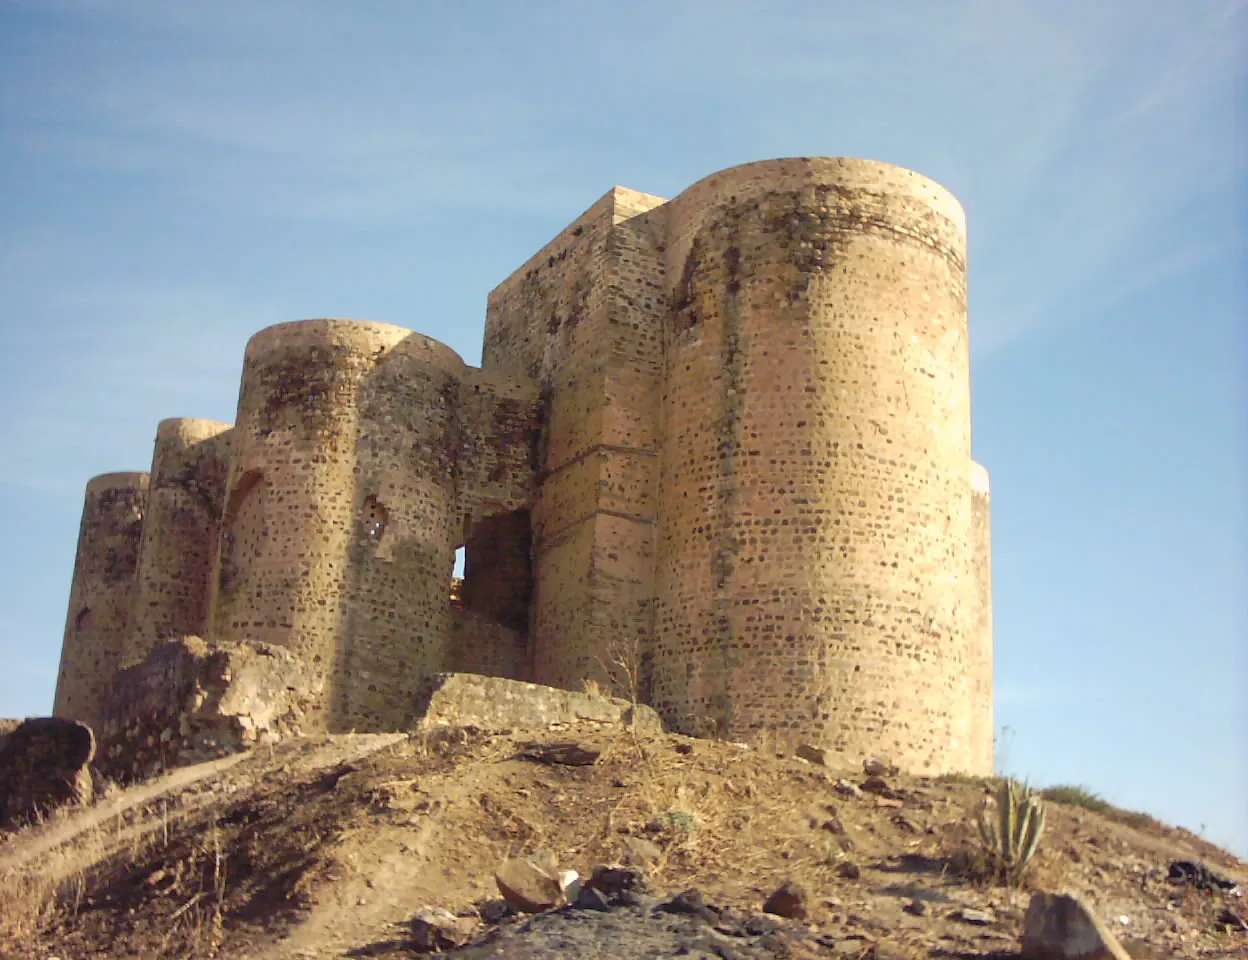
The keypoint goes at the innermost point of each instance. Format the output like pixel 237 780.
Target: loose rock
pixel 847 788
pixel 812 753
pixel 1063 927
pixel 566 753
pixel 613 880
pixel 787 901
pixel 436 929
pixel 690 903
pixel 1198 875
pixel 880 787
pixel 526 887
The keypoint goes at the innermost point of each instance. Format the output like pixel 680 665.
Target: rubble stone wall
pixel 581 317
pixel 814 553
pixel 720 444
pixel 101 595
pixel 191 700
pixel 982 723
pixel 497 703
pixel 185 501
pixel 481 645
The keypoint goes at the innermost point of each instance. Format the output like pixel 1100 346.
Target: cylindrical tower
pixel 185 500
pixel 289 519
pixel 101 595
pixel 813 563
pixel 406 526
pixel 981 661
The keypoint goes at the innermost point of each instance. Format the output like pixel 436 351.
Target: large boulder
pixel 45 763
pixel 1063 927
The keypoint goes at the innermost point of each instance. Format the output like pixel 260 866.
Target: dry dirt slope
pixel 326 847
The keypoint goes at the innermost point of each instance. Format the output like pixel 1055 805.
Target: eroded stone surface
pixel 493 703
pixel 44 764
pixel 192 700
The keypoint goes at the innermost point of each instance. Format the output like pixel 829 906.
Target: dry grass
pixel 1078 796
pixel 210 877
pixel 34 894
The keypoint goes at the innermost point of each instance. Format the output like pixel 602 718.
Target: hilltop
pixel 328 846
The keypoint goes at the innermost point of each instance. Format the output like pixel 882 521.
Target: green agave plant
pixel 1010 825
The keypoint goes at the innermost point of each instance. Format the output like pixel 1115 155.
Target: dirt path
pixel 390 873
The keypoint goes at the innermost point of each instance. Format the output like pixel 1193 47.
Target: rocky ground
pixel 361 846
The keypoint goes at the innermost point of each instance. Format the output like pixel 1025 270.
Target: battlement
pixel 725 438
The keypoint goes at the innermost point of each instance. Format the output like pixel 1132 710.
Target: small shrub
pixel 1077 796
pixel 673 821
pixel 964 779
pixel 1011 823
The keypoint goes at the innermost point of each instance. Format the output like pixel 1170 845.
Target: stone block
pixel 494 703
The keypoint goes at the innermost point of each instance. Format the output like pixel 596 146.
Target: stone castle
pixel 722 439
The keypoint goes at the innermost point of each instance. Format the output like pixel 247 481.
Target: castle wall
pixel 813 558
pixel 582 318
pixel 185 502
pixel 101 595
pixel 290 512
pixel 480 645
pixel 981 661
pixel 363 455
pixel 719 448
pixel 411 440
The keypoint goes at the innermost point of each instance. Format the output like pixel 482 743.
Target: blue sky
pixel 175 176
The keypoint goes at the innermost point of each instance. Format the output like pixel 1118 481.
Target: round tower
pixel 980 668
pixel 185 498
pixel 101 595
pixel 814 563
pixel 405 530
pixel 289 514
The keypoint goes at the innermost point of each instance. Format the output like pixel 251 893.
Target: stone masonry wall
pixel 101 596
pixel 363 453
pixel 982 737
pixel 724 439
pixel 582 318
pixel 185 501
pixel 480 645
pixel 290 507
pixel 814 556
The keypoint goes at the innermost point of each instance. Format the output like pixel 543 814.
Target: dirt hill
pixel 328 847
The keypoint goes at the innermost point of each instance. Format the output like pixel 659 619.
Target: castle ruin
pixel 726 436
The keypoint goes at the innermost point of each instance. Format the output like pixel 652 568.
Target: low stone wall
pixel 192 700
pixel 494 703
